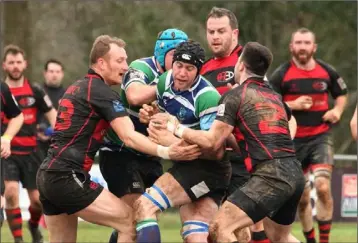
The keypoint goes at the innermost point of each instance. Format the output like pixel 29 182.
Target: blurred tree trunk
pixel 17 28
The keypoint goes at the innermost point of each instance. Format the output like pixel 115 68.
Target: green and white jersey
pixel 195 108
pixel 143 71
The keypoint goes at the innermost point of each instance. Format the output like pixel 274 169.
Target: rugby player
pixel 199 186
pixel 259 120
pixel 305 84
pixel 129 176
pixel 87 109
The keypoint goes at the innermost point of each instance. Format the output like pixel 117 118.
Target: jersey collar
pixel 92 74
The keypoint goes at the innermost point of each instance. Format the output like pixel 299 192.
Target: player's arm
pixel 138 92
pixel 353 124
pixel 107 103
pixel 16 119
pixel 339 92
pixel 219 131
pixel 44 104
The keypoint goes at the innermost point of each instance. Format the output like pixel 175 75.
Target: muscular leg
pixel 62 228
pixel 324 204
pixel 229 219
pixel 258 233
pixel 305 212
pixel 278 233
pixel 145 208
pixel 13 211
pixel 111 211
pixel 129 199
pixel 195 218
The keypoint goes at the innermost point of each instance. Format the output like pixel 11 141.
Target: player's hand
pixel 5 147
pixel 42 136
pixel 166 121
pixel 303 102
pixel 160 135
pixel 332 116
pixel 183 151
pixel 147 111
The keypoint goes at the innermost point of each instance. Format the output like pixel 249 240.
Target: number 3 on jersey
pixel 65 112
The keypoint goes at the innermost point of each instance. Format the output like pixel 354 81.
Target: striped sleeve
pixel 206 106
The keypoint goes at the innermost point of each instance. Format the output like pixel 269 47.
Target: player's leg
pixel 304 210
pixel 227 221
pixel 269 187
pixel 125 178
pixel 62 227
pixel 29 170
pixel 304 154
pixel 322 166
pixel 239 177
pixel 12 209
pixel 258 233
pixel 109 210
pixel 196 217
pixel 165 193
pixel 279 233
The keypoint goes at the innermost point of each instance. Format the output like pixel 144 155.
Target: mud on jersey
pixel 195 108
pixel 144 71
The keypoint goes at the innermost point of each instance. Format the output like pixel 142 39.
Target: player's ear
pixel 314 48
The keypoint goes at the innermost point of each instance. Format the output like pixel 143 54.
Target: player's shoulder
pixel 36 86
pixel 328 67
pixel 283 67
pixel 4 86
pixel 146 65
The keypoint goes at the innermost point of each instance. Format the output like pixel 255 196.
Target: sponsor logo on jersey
pixel 117 106
pixel 320 85
pixel 221 110
pixel 225 76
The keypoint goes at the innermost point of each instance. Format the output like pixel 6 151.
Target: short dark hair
pixel 14 50
pixel 257 58
pixel 52 60
pixel 304 30
pixel 221 12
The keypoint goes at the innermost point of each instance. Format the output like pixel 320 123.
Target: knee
pixel 323 188
pixel 11 197
pixel 216 230
pixel 142 209
pixel 305 200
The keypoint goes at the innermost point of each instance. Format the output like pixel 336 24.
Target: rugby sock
pixel 148 231
pixel 324 230
pixel 35 216
pixel 310 236
pixel 259 237
pixel 14 220
pixel 114 237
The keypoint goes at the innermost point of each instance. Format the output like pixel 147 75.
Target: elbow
pixel 128 141
pixel 134 100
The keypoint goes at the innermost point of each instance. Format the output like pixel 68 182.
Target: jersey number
pixel 65 112
pixel 270 121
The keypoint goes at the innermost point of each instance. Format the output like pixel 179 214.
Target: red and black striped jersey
pixel 260 121
pixel 84 114
pixel 31 99
pixel 292 82
pixel 220 71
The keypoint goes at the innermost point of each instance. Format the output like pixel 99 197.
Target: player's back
pixel 262 121
pixel 79 126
